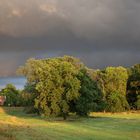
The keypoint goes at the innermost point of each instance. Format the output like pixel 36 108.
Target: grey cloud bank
pixel 100 32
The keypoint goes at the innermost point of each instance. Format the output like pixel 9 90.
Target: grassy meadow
pixel 16 125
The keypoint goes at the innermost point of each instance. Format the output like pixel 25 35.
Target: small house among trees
pixel 2 100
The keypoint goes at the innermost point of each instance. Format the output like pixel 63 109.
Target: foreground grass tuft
pixel 6 134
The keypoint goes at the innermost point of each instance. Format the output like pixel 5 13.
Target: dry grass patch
pixel 6 132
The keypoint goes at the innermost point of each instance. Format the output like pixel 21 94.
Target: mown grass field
pixel 16 125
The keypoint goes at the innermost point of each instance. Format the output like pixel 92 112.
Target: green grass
pixel 16 125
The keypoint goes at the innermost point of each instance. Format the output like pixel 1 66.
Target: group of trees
pixel 58 86
pixel 62 85
pixel 16 97
pixel 120 87
pixel 11 94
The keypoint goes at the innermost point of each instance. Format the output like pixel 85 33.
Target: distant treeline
pixel 58 86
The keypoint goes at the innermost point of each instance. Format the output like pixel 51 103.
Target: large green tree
pixel 56 82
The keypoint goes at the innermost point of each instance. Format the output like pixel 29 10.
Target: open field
pixel 16 125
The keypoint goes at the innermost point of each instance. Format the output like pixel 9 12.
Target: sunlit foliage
pixel 113 83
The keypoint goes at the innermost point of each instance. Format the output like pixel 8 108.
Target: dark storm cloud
pixel 100 32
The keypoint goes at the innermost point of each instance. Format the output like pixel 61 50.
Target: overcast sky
pixel 99 32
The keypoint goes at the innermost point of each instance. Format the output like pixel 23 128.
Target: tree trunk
pixel 64 116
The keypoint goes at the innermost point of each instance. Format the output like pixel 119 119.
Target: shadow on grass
pixel 21 113
pixel 18 112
